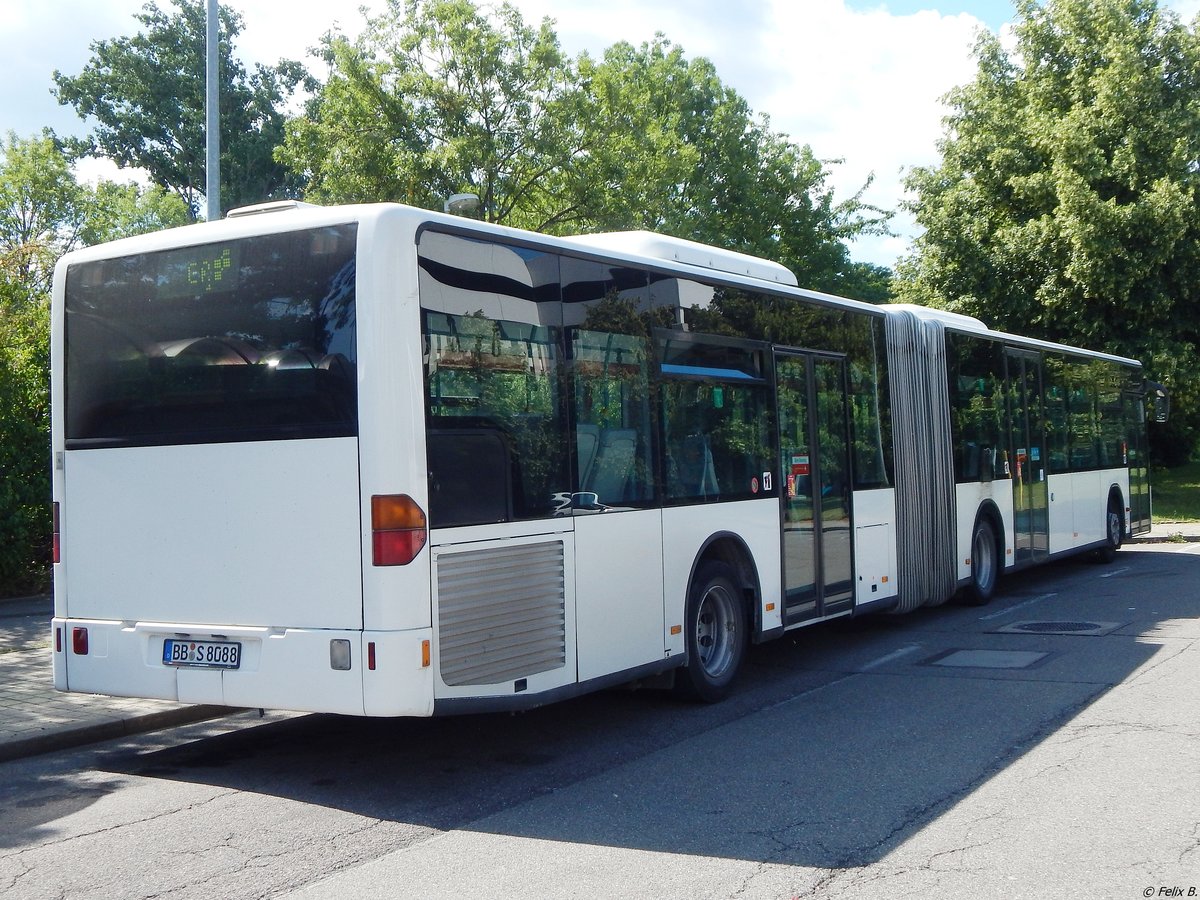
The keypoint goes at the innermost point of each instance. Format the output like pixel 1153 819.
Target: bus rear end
pixel 210 525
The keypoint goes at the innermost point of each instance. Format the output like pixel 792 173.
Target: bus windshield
pixel 249 339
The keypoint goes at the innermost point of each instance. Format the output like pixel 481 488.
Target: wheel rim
pixel 984 558
pixel 716 627
pixel 1114 528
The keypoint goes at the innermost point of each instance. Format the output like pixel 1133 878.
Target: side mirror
pixel 1160 401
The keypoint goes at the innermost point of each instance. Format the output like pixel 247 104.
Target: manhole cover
pixel 1088 629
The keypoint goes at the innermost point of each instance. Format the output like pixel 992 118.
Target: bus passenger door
pixel 1031 508
pixel 814 465
pixel 1138 460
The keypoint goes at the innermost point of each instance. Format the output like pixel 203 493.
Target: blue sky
pixel 992 13
pixel 859 81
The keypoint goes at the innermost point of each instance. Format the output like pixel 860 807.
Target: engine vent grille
pixel 501 613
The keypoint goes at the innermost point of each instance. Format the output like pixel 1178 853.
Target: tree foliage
pixel 438 97
pixel 674 149
pixel 147 96
pixel 45 212
pixel 24 445
pixel 1065 203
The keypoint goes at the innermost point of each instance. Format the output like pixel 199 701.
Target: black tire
pixel 985 564
pixel 1114 531
pixel 716 633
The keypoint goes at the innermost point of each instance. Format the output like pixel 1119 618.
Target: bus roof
pixel 972 325
pixel 673 249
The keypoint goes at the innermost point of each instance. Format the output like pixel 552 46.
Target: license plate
pixel 210 654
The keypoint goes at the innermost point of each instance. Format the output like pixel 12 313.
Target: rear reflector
pixel 339 655
pixel 79 641
pixel 397 529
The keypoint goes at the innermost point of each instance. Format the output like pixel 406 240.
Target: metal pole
pixel 212 128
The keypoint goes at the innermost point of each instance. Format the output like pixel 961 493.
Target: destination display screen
pixel 195 271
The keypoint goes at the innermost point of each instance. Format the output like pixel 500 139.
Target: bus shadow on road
pixel 824 757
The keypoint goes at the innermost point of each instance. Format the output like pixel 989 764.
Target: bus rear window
pixel 250 339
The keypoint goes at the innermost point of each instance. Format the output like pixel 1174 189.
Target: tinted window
pixel 252 339
pixel 497 433
pixel 976 382
pixel 716 420
pixel 610 374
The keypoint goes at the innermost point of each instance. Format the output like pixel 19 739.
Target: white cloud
pixel 866 87
pixel 861 86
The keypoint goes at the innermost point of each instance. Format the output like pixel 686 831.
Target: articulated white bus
pixel 379 461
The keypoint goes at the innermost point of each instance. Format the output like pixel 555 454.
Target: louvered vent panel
pixel 501 613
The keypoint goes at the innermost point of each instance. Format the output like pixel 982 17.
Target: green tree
pixel 24 444
pixel 437 98
pixel 43 212
pixel 674 149
pixel 147 96
pixel 1065 203
pixel 122 210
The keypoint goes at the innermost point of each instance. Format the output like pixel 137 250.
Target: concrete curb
pixel 1170 533
pixel 93 732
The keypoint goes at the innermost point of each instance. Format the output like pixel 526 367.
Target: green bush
pixel 25 521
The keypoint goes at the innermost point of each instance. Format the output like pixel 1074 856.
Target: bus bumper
pixel 278 668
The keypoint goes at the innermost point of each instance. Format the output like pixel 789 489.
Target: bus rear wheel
pixel 985 564
pixel 716 633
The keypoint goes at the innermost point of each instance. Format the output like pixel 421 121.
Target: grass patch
pixel 1177 493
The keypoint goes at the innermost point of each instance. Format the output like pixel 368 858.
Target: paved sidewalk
pixel 35 718
pixel 1170 532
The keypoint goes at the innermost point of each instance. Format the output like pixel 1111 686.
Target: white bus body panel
pixel 619 591
pixel 874 546
pixel 259 534
pixel 687 529
pixel 1079 505
pixel 970 497
pixel 391 422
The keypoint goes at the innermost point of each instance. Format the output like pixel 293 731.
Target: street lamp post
pixel 212 128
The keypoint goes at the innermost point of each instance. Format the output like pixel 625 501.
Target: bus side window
pixel 690 470
pixel 470 477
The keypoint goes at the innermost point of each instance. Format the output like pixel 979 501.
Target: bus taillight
pixel 57 545
pixel 398 529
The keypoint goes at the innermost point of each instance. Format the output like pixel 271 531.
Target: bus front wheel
pixel 716 633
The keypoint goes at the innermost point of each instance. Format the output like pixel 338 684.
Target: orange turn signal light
pixel 398 529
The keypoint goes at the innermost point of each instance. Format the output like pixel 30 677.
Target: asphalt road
pixel 942 753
